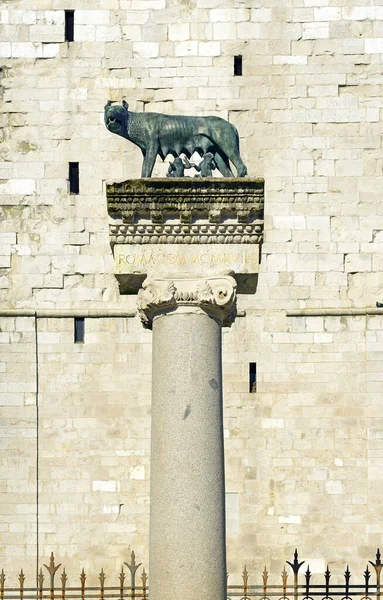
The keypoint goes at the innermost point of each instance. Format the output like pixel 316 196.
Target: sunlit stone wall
pixel 304 452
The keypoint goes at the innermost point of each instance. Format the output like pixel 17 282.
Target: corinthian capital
pixel 215 296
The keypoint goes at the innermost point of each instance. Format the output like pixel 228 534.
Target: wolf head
pixel 116 118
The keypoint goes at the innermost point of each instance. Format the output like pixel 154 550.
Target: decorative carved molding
pixel 186 211
pixel 179 233
pixel 143 195
pixel 190 211
pixel 215 295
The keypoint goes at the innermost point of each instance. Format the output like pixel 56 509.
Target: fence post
pixel 295 565
pixel 245 577
pixel 82 580
pixel 265 577
pixel 347 577
pixel 64 579
pixel 2 582
pixel 122 577
pixel 144 579
pixel 308 577
pixel 52 569
pixel 21 580
pixel 133 569
pixel 367 576
pixel 102 578
pixel 378 567
pixel 284 581
pixel 327 577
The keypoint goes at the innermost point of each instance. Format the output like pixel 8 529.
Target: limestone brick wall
pixel 304 457
pixel 18 443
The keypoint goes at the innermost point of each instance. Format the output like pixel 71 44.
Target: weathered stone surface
pixel 215 295
pixel 187 507
pixel 186 198
pixel 194 226
pixel 310 119
pixel 203 259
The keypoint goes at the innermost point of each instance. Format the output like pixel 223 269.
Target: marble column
pixel 187 555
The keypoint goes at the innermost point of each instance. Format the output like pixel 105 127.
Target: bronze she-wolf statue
pixel 157 134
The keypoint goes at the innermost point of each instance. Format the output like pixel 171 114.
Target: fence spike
pixel 245 576
pixel 64 578
pixel 132 566
pixel 367 576
pixel 82 580
pixel 308 577
pixel 284 576
pixel 327 577
pixel 102 577
pixel 144 577
pixel 40 581
pixel 52 566
pixel 377 567
pixel 347 577
pixel 21 579
pixel 347 574
pixel 378 563
pixel 122 577
pixel 295 565
pixel 2 581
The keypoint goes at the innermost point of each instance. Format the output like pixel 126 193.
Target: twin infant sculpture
pixel 213 138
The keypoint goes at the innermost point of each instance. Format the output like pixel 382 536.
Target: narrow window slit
pixel 79 330
pixel 238 66
pixel 69 25
pixel 74 178
pixel 252 377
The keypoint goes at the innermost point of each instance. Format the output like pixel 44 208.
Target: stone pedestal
pixel 187 247
pixel 187 488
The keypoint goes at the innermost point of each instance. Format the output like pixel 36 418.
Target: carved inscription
pixel 143 259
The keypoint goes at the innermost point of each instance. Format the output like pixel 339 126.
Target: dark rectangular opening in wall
pixel 74 178
pixel 69 25
pixel 252 377
pixel 79 330
pixel 238 66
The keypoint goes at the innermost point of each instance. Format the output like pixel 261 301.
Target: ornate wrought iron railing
pixel 49 590
pixel 304 588
pixel 295 585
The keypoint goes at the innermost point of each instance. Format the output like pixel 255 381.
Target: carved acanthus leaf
pixel 154 294
pixel 216 296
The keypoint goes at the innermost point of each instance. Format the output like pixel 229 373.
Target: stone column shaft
pixel 187 553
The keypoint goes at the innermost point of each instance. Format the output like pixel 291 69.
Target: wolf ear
pixel 125 104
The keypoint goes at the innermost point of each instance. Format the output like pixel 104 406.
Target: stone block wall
pixel 303 453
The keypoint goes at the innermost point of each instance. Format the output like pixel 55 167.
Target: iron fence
pixel 296 585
